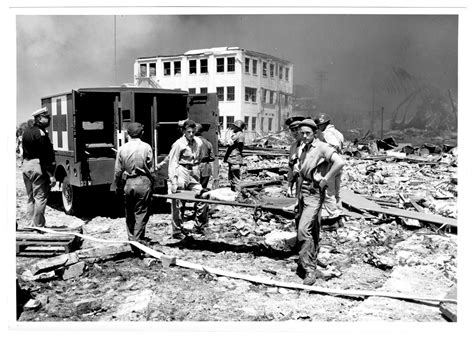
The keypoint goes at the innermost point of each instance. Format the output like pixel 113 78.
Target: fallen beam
pixel 338 292
pixel 357 201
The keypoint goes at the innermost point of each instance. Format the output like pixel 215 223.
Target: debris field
pixel 374 251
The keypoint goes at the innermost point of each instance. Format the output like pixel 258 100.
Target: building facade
pixel 251 86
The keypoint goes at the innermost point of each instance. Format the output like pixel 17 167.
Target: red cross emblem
pixel 59 122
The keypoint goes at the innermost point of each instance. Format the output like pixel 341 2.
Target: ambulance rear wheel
pixel 70 195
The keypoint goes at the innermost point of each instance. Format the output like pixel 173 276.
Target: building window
pixel 286 100
pixel 230 93
pixel 192 90
pixel 177 67
pixel 152 69
pixel 271 97
pixel 246 120
pixel 264 96
pixel 251 94
pixel 230 64
pixel 283 99
pixel 254 67
pixel 229 120
pixel 221 122
pixel 203 90
pixel 280 72
pixel 287 73
pixel 203 63
pixel 270 123
pixel 192 67
pixel 264 68
pixel 254 123
pixel 262 123
pixel 167 68
pixel 220 65
pixel 247 65
pixel 272 67
pixel 142 70
pixel 220 93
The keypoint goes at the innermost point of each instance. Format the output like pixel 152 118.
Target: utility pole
pixel 381 123
pixel 320 77
pixel 115 49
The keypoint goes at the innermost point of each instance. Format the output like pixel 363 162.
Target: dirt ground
pixel 366 254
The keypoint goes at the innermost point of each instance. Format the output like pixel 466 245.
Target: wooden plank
pixel 360 202
pixel 53 263
pixel 22 236
pixel 449 310
pixel 254 184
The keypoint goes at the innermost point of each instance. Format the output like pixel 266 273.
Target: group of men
pixel 315 166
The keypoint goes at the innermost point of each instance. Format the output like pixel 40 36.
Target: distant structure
pixel 251 86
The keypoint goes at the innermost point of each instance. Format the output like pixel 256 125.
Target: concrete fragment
pixel 28 276
pixel 87 306
pixel 52 263
pixel 281 240
pixel 149 261
pixel 32 304
pixel 73 271
pixel 168 260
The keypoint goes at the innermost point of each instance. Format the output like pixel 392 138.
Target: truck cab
pixel 89 125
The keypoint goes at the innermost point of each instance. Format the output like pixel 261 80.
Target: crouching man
pixel 311 189
pixel 134 180
pixel 184 174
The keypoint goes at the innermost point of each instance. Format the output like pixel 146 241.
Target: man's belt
pixel 189 166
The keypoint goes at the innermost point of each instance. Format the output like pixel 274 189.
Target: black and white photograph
pixel 279 166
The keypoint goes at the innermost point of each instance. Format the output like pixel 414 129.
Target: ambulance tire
pixel 70 196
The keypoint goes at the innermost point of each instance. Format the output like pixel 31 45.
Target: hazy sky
pixel 59 53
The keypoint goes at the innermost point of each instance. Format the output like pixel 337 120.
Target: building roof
pixel 218 50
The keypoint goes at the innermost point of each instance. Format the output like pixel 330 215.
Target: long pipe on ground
pixel 256 279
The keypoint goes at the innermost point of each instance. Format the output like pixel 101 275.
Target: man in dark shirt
pixel 38 166
pixel 234 154
pixel 207 157
pixel 134 179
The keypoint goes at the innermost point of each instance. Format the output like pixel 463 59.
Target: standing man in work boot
pixel 234 154
pixel 311 189
pixel 38 167
pixel 207 157
pixel 184 174
pixel 134 180
pixel 332 209
pixel 295 148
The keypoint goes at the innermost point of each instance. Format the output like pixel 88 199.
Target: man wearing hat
pixel 312 183
pixel 184 173
pixel 133 178
pixel 329 134
pixel 39 164
pixel 295 148
pixel 234 154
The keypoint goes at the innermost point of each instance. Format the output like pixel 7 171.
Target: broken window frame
pixel 167 68
pixel 254 123
pixel 152 69
pixel 230 64
pixel 230 93
pixel 250 94
pixel 254 67
pixel 220 65
pixel 177 70
pixel 229 120
pixel 143 70
pixel 193 68
pixel 203 66
pixel 246 120
pixel 220 93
